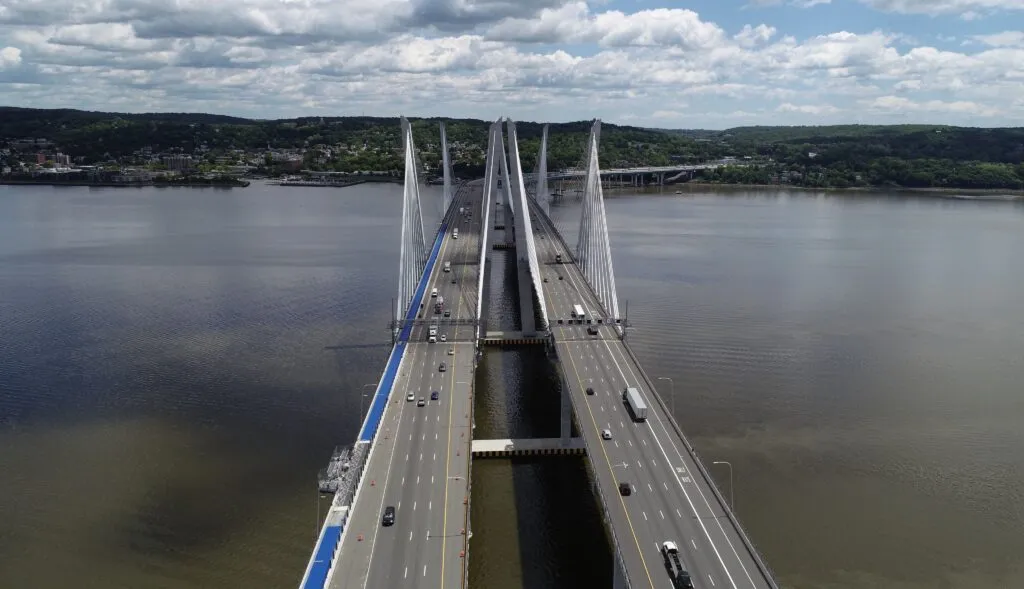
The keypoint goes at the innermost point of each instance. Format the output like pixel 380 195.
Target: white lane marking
pixel 622 424
pixel 435 455
pixel 659 511
pixel 430 506
pixel 630 442
pixel 650 488
pixel 712 580
pixel 406 575
pixel 417 479
pixel 435 436
pixel 410 435
pixel 424 570
pixel 681 515
pixel 694 542
pixel 414 506
pixel 640 464
pixel 687 495
pixel 644 441
pixel 654 463
pixel 616 443
pixel 681 486
pixel 403 478
pixel 421 456
pixel 387 477
pixel 410 536
pixel 645 515
pixel 431 479
pixel 407 458
pixel 665 484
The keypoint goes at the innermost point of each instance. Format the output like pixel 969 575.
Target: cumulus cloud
pixel 533 59
pixel 939 7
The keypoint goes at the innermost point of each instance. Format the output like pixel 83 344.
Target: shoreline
pixel 994 194
pixel 240 184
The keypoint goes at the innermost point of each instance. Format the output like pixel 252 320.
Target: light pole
pixel 672 393
pixel 316 528
pixel 362 395
pixel 732 490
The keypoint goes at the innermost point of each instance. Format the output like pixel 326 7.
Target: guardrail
pixel 765 570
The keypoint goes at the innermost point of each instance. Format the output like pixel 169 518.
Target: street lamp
pixel 316 528
pixel 732 496
pixel 672 393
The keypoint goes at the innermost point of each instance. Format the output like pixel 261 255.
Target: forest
pixel 918 156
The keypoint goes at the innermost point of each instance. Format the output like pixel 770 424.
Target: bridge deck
pixel 420 458
pixel 672 498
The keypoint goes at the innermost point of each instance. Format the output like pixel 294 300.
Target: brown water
pixel 176 364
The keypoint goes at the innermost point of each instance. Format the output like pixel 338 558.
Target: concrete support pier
pixel 527 447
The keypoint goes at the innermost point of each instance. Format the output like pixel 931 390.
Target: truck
pixel 433 330
pixel 680 576
pixel 447 266
pixel 577 313
pixel 635 400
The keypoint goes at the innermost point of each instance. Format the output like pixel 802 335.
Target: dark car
pixel 453 281
pixel 434 395
pixel 625 489
pixel 592 330
pixel 447 313
pixel 442 367
pixel 590 390
pixel 389 516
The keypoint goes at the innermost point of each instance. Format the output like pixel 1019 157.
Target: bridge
pixel 400 512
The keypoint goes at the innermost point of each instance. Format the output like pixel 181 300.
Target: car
pixel 606 434
pixel 591 330
pixel 545 279
pixel 453 281
pixel 447 313
pixel 434 395
pixel 389 516
pixel 444 337
pixel 625 489
pixel 421 402
pixel 590 390
pixel 451 351
pixel 410 397
pixel 442 367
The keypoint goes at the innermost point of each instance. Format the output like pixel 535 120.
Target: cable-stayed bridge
pixel 400 512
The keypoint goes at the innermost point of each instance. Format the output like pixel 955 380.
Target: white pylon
pixel 594 252
pixel 413 254
pixel 447 165
pixel 523 227
pixel 541 193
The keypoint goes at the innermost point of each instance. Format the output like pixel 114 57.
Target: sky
pixel 708 64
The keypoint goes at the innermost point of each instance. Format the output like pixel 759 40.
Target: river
pixel 176 365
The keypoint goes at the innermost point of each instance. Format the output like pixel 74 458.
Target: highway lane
pixel 671 500
pixel 421 456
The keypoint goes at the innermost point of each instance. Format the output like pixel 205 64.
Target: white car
pixel 410 397
pixel 606 434
pixel 444 337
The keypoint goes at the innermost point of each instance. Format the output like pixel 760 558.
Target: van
pixel 433 293
pixel 447 266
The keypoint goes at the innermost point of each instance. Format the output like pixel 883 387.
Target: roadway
pixel 420 459
pixel 671 500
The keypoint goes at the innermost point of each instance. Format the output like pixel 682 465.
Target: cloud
pixel 530 59
pixel 10 57
pixel 942 7
pixel 574 23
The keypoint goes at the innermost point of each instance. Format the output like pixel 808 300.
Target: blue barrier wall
pixel 322 561
pixel 380 399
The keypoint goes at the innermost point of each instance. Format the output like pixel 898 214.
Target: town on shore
pixel 61 146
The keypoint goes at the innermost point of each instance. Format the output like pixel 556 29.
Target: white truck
pixel 636 403
pixel 432 334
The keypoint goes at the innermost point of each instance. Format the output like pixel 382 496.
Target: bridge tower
pixel 593 250
pixel 541 194
pixel 446 200
pixel 526 249
pixel 413 256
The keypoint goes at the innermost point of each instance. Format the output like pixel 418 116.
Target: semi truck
pixel 635 400
pixel 680 576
